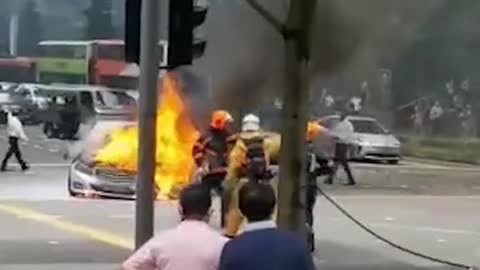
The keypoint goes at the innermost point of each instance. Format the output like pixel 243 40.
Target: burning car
pixel 107 165
pixel 86 177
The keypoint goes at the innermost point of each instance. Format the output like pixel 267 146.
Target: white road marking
pixel 425 229
pixel 40 165
pixel 53 150
pixel 37 146
pixel 441 240
pixel 53 243
pixel 389 219
pixel 50 216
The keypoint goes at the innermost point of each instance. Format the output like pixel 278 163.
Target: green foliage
pixel 442 48
pixel 445 149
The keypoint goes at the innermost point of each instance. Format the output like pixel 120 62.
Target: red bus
pixel 17 69
pixel 109 67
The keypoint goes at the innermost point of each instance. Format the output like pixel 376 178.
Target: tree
pixel 29 30
pixel 99 20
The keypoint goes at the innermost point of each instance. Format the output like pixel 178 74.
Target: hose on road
pixel 392 244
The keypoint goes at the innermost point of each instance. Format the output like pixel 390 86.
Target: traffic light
pixel 183 46
pixel 184 17
pixel 133 10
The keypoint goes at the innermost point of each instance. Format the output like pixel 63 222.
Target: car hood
pixel 376 139
pixel 95 139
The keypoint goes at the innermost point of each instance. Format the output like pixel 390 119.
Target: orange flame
pixel 175 138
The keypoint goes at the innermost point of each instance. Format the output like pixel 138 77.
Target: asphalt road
pixel 431 208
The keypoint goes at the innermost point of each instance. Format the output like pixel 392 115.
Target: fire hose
pixel 389 242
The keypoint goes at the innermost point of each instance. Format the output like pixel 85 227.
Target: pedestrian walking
pixel 15 133
pixel 343 132
pixel 193 244
pixel 262 246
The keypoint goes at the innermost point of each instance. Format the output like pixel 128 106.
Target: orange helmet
pixel 313 128
pixel 220 118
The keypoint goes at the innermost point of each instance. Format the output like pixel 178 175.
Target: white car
pixel 371 140
pixel 6 86
pixel 31 92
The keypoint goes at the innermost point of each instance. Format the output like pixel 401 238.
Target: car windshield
pixel 113 99
pixel 367 126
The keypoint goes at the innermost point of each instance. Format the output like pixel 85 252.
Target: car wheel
pixel 70 190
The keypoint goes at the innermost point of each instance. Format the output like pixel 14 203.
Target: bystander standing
pixel 193 244
pixel 262 246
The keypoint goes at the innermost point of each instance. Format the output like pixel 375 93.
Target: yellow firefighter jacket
pixel 235 171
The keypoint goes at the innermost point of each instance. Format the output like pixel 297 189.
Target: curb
pixel 440 162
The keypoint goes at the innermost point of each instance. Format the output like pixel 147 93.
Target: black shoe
pixel 3 169
pixel 328 182
pixel 25 167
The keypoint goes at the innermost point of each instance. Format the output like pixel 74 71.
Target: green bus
pixel 64 61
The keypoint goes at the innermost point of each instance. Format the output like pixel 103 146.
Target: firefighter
pixel 317 165
pixel 248 161
pixel 210 152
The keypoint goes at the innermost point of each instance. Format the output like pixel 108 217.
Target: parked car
pixel 69 106
pixel 7 86
pixel 32 93
pixel 371 140
pixel 85 177
pixel 27 112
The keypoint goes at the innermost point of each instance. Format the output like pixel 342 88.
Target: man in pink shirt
pixel 193 244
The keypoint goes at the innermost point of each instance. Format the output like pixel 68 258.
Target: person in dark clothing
pixel 210 153
pixel 15 133
pixel 211 150
pixel 262 246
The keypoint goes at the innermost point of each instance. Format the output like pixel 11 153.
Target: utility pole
pixel 149 62
pixel 292 178
pixel 179 18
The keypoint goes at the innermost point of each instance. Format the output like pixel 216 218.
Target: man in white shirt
pixel 15 132
pixel 343 132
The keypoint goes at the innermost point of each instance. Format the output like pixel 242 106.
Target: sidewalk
pixel 440 162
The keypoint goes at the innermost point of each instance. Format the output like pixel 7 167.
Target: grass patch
pixel 444 149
